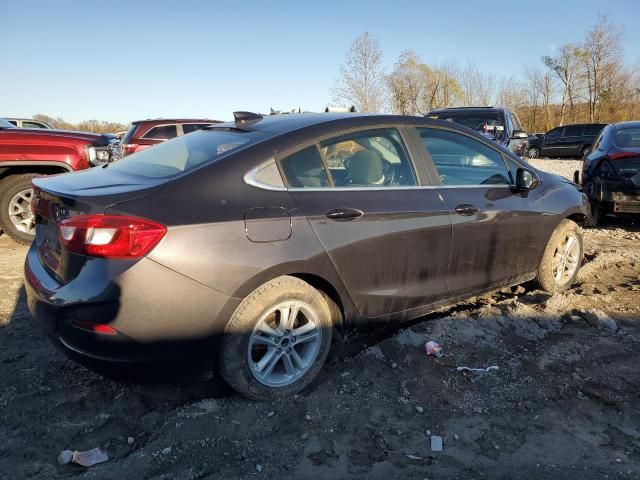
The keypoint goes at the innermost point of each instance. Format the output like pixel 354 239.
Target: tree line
pixel 98 126
pixel 584 81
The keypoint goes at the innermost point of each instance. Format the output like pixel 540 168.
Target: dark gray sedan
pixel 260 240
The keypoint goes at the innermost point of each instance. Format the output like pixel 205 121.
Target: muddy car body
pixel 259 240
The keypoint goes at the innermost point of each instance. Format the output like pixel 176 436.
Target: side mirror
pixel 525 180
pixel 519 134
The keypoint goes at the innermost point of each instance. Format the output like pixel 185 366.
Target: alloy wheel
pixel 284 344
pixel 566 259
pixel 532 153
pixel 20 212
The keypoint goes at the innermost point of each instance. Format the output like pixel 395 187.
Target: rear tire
pixel 16 218
pixel 585 152
pixel 533 152
pixel 562 258
pixel 269 352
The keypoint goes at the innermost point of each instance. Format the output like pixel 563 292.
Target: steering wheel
pixel 389 172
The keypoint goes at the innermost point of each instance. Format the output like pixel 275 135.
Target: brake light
pixel 99 328
pixel 110 236
pixel 128 148
pixel 619 155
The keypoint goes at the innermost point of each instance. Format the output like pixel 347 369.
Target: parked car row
pixel 29 148
pixel 255 242
pixel 573 141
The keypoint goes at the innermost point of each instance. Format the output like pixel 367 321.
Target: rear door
pixel 387 236
pixel 495 236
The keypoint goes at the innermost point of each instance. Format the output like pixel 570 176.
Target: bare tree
pixel 566 67
pixel 601 56
pixel 361 81
pixel 477 88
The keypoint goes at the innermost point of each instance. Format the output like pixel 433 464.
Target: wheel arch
pixel 8 169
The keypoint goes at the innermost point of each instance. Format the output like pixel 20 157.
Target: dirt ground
pixel 564 402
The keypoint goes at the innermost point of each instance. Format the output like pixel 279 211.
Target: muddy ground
pixel 563 404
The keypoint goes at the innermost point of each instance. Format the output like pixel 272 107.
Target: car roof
pixel 633 123
pixel 279 124
pixel 469 109
pixel 170 121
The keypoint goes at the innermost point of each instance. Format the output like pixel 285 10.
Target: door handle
pixel 344 214
pixel 466 209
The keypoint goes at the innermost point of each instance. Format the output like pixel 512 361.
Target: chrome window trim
pixel 408 187
pixel 250 178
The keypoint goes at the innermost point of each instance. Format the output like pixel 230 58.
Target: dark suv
pixel 572 141
pixel 146 133
pixel 500 124
pixel 263 239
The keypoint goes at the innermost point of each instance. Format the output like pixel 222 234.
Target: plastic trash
pixel 89 457
pixel 433 348
pixel 492 367
pixel 436 443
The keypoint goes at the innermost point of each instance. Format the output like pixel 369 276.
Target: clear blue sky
pixel 122 61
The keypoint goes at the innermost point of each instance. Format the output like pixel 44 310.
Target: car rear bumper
pixel 154 312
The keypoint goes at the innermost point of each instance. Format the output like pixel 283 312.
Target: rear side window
pixel 192 127
pixel 184 153
pixel 573 131
pixel 13 122
pixel 162 132
pixel 461 160
pixel 32 125
pixel 592 129
pixel 304 169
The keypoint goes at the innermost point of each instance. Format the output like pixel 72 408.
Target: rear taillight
pixel 128 148
pixel 110 236
pixel 619 155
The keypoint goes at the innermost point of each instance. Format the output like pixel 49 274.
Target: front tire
pixel 562 258
pixel 533 152
pixel 277 340
pixel 16 218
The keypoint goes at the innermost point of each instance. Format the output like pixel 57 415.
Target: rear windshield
pixel 184 153
pixel 484 122
pixel 627 137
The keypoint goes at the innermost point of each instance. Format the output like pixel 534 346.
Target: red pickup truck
pixel 27 153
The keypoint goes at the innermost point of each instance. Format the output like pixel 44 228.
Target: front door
pixel 495 237
pixel 388 238
pixel 551 144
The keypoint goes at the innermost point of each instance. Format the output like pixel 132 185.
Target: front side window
pixel 515 122
pixel 373 158
pixel 555 133
pixel 162 132
pixel 461 160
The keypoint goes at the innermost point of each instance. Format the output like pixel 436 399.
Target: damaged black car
pixel 610 174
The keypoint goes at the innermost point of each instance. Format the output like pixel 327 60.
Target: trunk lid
pixel 87 192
